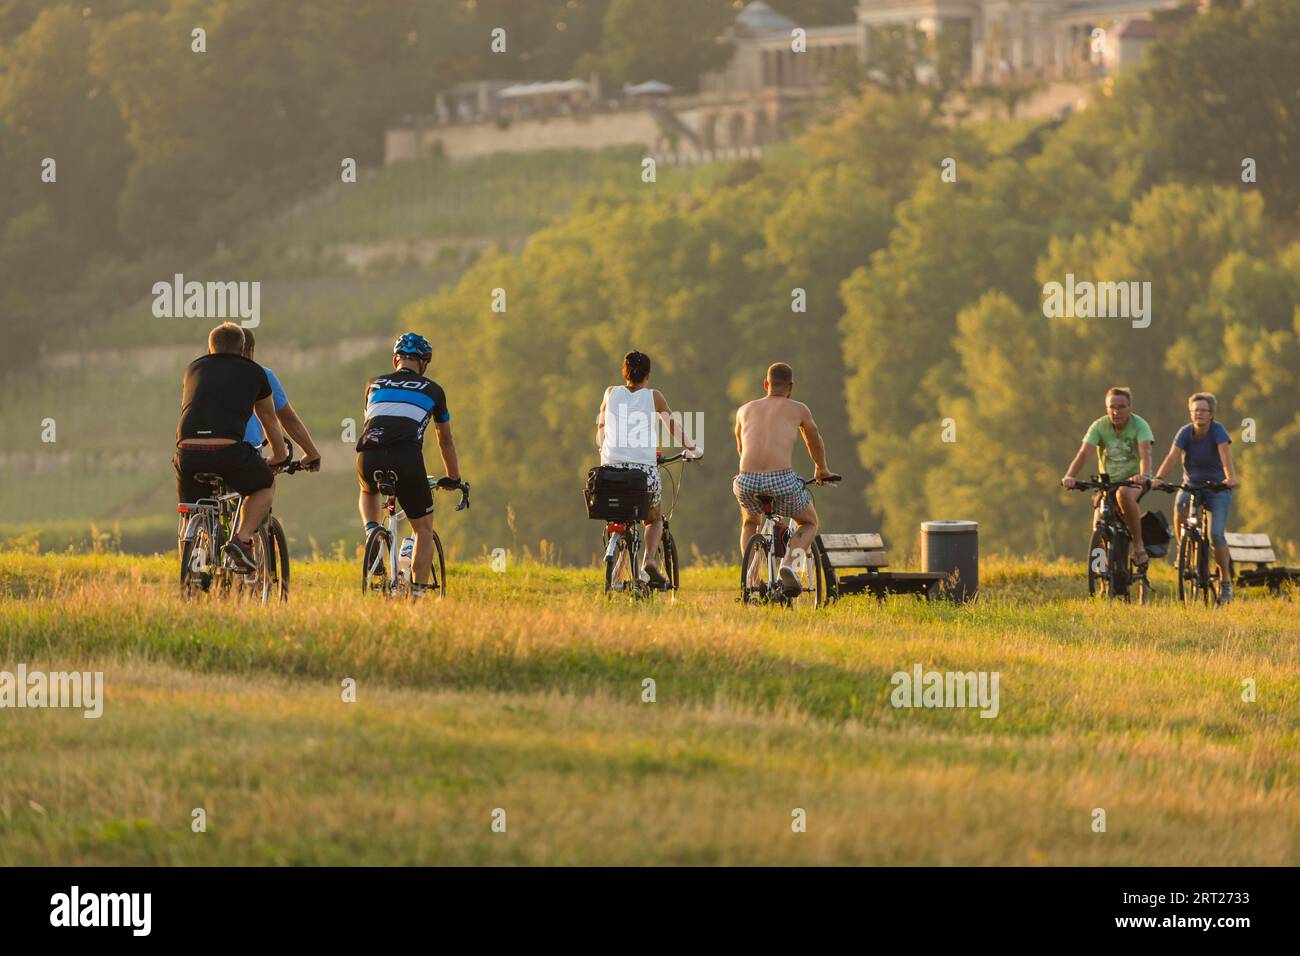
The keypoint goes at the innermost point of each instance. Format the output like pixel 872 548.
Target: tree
pixel 673 41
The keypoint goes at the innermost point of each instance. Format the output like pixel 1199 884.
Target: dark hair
pixel 636 366
pixel 226 337
pixel 779 375
pixel 250 342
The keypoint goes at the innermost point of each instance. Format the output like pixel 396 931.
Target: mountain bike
pixel 204 528
pixel 386 565
pixel 624 544
pixel 760 566
pixel 1199 576
pixel 1111 571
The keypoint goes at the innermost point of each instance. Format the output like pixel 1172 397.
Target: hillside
pixel 335 275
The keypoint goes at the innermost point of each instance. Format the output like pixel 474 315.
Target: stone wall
pixel 594 131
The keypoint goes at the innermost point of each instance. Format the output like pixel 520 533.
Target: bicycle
pixel 207 524
pixel 766 549
pixel 624 542
pixel 1110 567
pixel 1195 552
pixel 386 568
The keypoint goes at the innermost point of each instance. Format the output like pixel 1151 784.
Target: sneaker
pixel 1225 594
pixel 422 590
pixel 243 557
pixel 654 575
pixel 790 583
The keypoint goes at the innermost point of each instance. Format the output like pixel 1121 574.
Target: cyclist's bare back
pixel 766 429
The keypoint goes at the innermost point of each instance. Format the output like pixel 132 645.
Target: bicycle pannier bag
pixel 617 494
pixel 1155 533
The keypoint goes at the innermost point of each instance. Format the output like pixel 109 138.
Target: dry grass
pixel 523 691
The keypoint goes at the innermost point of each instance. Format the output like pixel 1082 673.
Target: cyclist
pixel 1203 445
pixel 765 432
pixel 627 434
pixel 220 391
pixel 399 406
pixel 1122 442
pixel 293 426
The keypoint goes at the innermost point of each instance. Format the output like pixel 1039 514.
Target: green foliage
pixel 673 41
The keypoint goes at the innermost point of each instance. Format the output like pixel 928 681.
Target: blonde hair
pixel 226 337
pixel 1204 397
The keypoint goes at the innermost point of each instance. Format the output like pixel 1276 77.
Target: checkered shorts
pixel 789 495
pixel 653 483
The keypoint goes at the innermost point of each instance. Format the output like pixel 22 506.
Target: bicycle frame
pixel 1111 525
pixel 1207 576
pixel 388 550
pixel 221 515
pixel 633 532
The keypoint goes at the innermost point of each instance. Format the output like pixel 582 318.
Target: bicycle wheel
pixel 668 555
pixel 374 575
pixel 809 571
pixel 1099 564
pixel 257 585
pixel 1187 569
pixel 754 586
pixel 277 561
pixel 198 554
pixel 439 568
pixel 618 566
pixel 1209 582
pixel 1118 566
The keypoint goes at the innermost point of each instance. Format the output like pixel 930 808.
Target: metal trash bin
pixel 953 546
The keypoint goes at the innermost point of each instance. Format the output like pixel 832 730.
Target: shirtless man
pixel 765 432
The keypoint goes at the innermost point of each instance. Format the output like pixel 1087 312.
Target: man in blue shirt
pixel 1203 446
pixel 293 425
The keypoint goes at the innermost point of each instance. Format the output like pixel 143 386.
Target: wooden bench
pixel 846 552
pixel 1258 550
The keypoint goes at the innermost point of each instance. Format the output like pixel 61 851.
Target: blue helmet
pixel 414 345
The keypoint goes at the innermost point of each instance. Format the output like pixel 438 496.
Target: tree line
pixel 942 388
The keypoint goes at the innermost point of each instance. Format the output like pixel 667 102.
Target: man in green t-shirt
pixel 1122 441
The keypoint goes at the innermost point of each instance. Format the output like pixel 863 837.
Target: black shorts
pixel 407 460
pixel 242 468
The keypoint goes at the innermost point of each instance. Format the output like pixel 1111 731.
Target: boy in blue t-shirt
pixel 1203 445
pixel 293 426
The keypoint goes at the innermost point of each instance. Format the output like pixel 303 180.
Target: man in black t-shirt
pixel 222 390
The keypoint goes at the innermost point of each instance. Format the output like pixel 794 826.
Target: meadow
pixel 523 691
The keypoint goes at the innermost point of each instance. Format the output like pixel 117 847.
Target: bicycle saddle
pixel 766 499
pixel 387 482
pixel 208 478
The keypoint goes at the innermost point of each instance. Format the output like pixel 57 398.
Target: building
pixel 777 67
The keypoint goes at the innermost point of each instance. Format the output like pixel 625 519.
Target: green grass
pixel 523 691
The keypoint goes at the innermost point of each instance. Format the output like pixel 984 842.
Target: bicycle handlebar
pixel 828 480
pixel 447 484
pixel 1106 485
pixel 1170 487
pixel 680 456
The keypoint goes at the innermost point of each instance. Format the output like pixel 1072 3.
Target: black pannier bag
pixel 617 494
pixel 1155 533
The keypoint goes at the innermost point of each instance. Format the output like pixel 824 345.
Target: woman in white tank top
pixel 627 430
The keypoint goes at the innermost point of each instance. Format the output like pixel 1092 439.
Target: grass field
pixel 523 691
